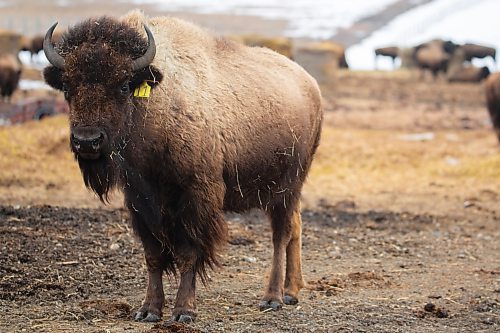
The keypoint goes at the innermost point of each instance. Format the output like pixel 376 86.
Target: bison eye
pixel 125 89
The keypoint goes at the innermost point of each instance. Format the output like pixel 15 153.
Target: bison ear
pixel 151 74
pixel 53 77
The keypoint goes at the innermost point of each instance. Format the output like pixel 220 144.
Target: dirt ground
pixel 401 224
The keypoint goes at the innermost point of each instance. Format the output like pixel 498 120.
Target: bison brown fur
pixel 226 128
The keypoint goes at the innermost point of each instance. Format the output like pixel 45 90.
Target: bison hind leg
pixel 285 279
pixel 293 277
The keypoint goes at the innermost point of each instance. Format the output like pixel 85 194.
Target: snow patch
pixel 318 19
pixel 458 20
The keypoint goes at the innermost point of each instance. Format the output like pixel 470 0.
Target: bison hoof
pixel 290 300
pixel 146 317
pixel 187 319
pixel 271 304
pixel 183 316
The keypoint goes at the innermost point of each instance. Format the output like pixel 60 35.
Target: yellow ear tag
pixel 143 90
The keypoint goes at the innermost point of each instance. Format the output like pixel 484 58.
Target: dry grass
pixel 378 167
pixel 36 166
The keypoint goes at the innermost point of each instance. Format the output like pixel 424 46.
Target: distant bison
pixel 389 51
pixel 469 74
pixel 460 71
pixel 36 44
pixel 434 55
pixel 478 51
pixel 493 101
pixel 10 73
pixel 189 126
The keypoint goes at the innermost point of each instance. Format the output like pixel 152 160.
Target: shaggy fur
pixel 492 88
pixel 227 127
pixel 10 73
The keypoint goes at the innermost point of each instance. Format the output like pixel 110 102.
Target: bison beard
pixel 226 128
pixel 99 175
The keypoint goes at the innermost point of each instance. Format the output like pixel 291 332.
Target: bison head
pixel 98 64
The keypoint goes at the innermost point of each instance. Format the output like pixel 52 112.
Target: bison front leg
pixel 152 306
pixel 156 258
pixel 201 234
pixel 286 226
pixel 185 301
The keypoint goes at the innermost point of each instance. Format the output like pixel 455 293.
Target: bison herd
pixel 443 57
pixel 454 62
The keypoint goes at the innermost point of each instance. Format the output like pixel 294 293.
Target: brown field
pixel 390 225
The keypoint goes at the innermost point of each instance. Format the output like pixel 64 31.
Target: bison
pixel 434 55
pixel 10 73
pixel 389 51
pixel 469 74
pixel 492 88
pixel 478 51
pixel 459 71
pixel 189 126
pixel 36 43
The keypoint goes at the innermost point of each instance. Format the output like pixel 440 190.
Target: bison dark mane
pixel 121 37
pixel 95 38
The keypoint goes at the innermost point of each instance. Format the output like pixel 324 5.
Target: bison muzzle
pixel 88 142
pixel 189 126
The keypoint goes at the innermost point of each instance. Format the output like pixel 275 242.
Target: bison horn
pixel 54 58
pixel 148 57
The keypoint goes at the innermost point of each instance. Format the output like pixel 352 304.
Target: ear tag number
pixel 143 90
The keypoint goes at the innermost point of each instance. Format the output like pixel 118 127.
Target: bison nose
pixel 93 143
pixel 88 142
